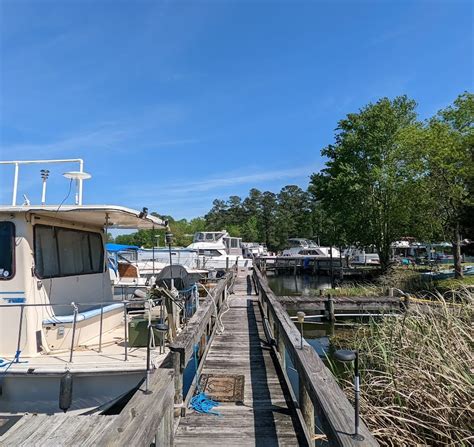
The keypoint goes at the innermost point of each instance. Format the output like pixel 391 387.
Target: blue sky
pixel 174 103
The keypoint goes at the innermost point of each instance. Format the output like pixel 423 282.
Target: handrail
pixel 17 163
pixel 199 331
pixel 318 390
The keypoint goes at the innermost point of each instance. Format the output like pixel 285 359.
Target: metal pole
pixel 301 336
pixel 73 331
pixel 125 342
pixel 81 169
pixel 171 262
pixel 15 184
pixel 153 242
pixel 148 355
pixel 357 436
pixel 17 355
pixel 43 193
pixel 101 323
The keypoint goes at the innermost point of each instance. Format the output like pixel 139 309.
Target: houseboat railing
pixel 75 308
pixel 221 283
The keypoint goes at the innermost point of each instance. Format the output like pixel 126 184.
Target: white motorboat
pixel 218 250
pixel 307 247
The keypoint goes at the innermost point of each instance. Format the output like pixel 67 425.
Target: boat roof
pixel 119 216
pixel 115 248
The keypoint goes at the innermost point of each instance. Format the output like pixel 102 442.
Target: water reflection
pixel 284 285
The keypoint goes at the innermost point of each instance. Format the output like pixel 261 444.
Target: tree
pixel 293 214
pixel 366 187
pixel 445 145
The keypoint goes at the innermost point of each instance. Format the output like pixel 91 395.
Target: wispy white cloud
pixel 109 137
pixel 253 178
pixel 186 190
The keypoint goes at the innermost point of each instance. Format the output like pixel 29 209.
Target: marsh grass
pixel 417 375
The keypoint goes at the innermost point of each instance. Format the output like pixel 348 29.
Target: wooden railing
pixel 199 332
pixel 319 393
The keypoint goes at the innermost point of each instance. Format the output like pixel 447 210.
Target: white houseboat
pixel 64 342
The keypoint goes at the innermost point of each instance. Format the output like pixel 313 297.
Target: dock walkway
pixel 266 416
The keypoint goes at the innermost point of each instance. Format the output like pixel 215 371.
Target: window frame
pixel 13 241
pixel 55 228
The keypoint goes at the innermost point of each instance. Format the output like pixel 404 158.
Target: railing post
pixel 73 331
pixel 178 379
pixel 125 342
pixel 330 308
pixel 281 347
pixel 20 327
pixel 306 406
pixel 101 324
pixel 165 434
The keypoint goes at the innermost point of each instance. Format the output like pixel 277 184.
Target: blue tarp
pixel 114 248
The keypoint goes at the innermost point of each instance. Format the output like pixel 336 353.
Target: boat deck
pixel 87 358
pixel 267 415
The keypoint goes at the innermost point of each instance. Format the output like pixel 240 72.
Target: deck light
pixel 301 316
pixel 79 177
pixel 349 356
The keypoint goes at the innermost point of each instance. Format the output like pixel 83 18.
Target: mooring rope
pixel 201 401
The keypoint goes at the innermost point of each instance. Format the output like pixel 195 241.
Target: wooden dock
pixel 267 415
pixel 240 331
pixel 336 267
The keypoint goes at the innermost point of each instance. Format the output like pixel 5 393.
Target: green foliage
pixel 183 231
pixel 366 185
pixel 387 176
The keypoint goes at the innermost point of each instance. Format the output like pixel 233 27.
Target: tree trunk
pixel 458 274
pixel 384 257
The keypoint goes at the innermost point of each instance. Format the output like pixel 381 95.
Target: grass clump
pixel 417 375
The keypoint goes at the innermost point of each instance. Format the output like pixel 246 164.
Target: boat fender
pixel 139 293
pixel 65 391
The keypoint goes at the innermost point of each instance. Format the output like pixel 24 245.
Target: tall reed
pixel 417 375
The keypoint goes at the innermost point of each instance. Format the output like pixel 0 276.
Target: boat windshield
pixel 7 244
pixel 207 237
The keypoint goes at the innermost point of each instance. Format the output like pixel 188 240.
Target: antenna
pixel 44 176
pixel 79 177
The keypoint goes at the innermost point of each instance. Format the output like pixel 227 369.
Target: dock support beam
pixel 330 309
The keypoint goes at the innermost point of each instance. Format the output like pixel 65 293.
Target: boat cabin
pixel 54 272
pixel 211 243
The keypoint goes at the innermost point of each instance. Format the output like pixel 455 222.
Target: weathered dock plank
pixel 146 417
pixel 378 304
pixel 266 416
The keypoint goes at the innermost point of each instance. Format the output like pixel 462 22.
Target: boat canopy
pixel 115 248
pixel 118 216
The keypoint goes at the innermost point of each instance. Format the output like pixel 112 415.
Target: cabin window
pixel 198 237
pixel 7 250
pixel 67 252
pixel 209 236
pixel 234 243
pixel 210 252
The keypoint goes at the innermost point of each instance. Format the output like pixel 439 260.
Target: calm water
pixel 316 334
